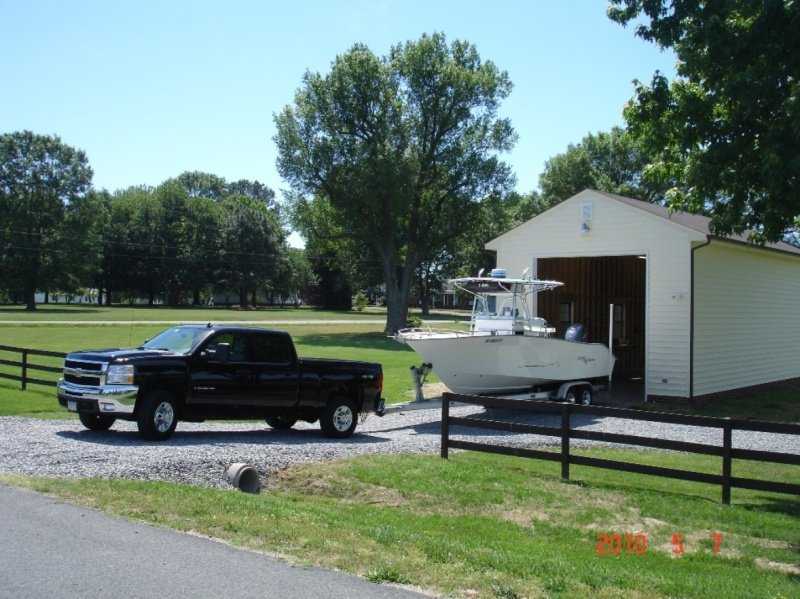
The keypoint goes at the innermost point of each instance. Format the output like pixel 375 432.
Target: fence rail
pixel 565 431
pixel 25 365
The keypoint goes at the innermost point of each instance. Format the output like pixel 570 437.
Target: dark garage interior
pixel 590 285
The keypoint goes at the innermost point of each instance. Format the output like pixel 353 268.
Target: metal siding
pixel 747 323
pixel 618 229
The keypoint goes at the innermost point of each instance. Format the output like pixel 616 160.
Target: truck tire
pixel 281 423
pixel 96 422
pixel 338 419
pixel 157 416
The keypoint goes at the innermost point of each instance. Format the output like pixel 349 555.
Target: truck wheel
pixel 338 420
pixel 157 416
pixel 96 422
pixel 280 423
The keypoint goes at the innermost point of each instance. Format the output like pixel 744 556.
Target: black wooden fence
pixel 25 365
pixel 726 451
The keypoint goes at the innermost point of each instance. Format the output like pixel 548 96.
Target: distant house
pixel 694 314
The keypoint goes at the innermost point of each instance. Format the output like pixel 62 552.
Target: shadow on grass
pixel 359 340
pixel 775 505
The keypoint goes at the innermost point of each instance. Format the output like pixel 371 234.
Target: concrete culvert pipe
pixel 244 477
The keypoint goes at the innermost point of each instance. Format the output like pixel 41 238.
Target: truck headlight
pixel 120 374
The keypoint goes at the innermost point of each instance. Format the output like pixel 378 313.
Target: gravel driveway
pixel 199 453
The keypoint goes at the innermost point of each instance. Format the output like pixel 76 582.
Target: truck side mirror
pixel 219 352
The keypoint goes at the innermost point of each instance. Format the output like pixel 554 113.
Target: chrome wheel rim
pixel 586 398
pixel 570 397
pixel 342 418
pixel 164 416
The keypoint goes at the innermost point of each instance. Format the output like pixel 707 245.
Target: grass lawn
pixel 780 404
pixel 91 312
pixel 491 526
pixel 83 312
pixel 348 342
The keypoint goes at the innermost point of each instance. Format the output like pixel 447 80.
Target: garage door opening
pixel 590 286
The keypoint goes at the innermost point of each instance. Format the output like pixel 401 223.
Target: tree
pixel 252 242
pixel 40 179
pixel 296 278
pixel 727 126
pixel 612 162
pixel 202 185
pixel 334 256
pixel 402 146
pixel 203 239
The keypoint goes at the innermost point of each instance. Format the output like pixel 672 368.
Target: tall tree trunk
pixel 99 295
pixel 242 297
pixel 397 289
pixel 31 281
pixel 196 297
pixel 151 298
pixel 253 298
pixel 30 298
pixel 426 302
pixel 108 296
pixel 46 297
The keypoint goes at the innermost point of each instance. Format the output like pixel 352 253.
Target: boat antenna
pixel 525 273
pixel 480 272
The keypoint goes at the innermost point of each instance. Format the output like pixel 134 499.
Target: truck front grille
pixel 80 372
pixel 85 366
pixel 78 379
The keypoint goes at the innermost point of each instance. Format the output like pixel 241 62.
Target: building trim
pixel 691 318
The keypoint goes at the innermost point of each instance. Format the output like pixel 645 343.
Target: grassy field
pixel 88 312
pixel 349 342
pixel 780 404
pixel 492 526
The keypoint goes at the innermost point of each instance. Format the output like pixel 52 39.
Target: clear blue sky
pixel 151 89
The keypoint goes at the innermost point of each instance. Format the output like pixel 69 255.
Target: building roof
pixel 697 222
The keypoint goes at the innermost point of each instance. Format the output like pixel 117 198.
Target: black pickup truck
pixel 194 373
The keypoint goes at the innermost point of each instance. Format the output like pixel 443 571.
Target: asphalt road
pixel 52 549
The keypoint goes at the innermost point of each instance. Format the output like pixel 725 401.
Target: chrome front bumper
pixel 110 399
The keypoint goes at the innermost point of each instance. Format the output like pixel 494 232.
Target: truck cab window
pixel 271 349
pixel 238 345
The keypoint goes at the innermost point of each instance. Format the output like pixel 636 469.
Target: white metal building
pixel 710 315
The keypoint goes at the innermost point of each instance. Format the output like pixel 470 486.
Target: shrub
pixel 360 301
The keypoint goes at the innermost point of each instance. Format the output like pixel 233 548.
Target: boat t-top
pixel 507 349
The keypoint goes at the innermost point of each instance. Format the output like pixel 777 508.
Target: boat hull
pixel 481 364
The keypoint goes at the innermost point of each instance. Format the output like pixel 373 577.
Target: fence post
pixel 565 441
pixel 445 423
pixel 727 442
pixel 24 369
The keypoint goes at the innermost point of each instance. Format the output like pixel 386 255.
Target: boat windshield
pixel 501 304
pixel 495 306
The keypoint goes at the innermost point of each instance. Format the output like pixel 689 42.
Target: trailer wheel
pixel 585 396
pixel 570 397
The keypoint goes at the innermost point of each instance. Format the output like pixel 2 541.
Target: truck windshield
pixel 180 340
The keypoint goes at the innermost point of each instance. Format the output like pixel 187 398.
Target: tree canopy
pixel 402 146
pixel 42 184
pixel 728 126
pixel 611 161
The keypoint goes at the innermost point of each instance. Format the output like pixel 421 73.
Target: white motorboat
pixel 506 349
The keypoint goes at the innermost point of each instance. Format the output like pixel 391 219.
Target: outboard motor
pixel 575 333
